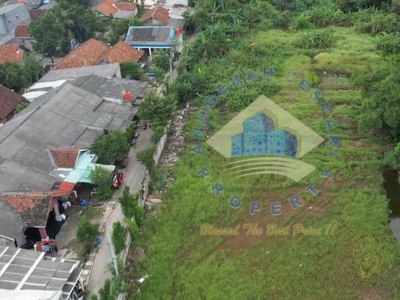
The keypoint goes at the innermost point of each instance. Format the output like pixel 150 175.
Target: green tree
pixel 133 228
pixel 32 68
pixel 146 157
pixel 131 70
pixel 86 232
pixel 83 23
pixel 130 207
pixel 84 3
pixel 128 202
pixel 389 44
pixel 12 76
pixel 105 291
pixel 102 178
pixel 112 288
pixel 158 111
pixel 189 23
pixel 187 86
pixel 94 297
pixel 381 97
pixel 120 26
pixel 118 237
pixel 162 60
pixel 46 33
pixel 112 146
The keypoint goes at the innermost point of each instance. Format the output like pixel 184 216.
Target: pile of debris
pixel 175 144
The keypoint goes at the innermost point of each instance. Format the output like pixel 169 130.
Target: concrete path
pixel 134 175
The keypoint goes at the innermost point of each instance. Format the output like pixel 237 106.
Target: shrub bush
pixel 317 38
pixel 388 43
pixel 118 237
pixel 327 15
pixel 373 21
pixel 133 228
pixel 302 22
pixel 86 231
pixel 102 179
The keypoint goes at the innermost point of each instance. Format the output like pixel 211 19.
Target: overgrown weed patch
pixel 360 254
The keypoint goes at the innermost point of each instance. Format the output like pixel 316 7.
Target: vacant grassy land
pixel 359 260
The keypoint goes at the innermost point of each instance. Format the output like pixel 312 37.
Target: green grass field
pixel 359 260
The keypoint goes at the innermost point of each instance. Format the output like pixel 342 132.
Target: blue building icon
pixel 282 143
pixel 259 137
pixel 237 145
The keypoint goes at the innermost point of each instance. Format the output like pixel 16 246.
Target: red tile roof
pixel 9 101
pixel 126 6
pixel 93 52
pixel 64 157
pixel 36 14
pixel 88 54
pixel 32 207
pixel 121 51
pixel 158 13
pixel 110 7
pixel 65 188
pixel 21 30
pixel 10 53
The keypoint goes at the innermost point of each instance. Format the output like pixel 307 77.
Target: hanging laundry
pixel 66 204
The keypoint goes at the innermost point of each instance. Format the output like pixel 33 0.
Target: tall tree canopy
pixel 16 76
pixel 380 108
pixel 46 32
pixel 112 146
pixel 56 28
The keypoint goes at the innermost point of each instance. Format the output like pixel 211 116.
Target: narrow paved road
pixel 133 178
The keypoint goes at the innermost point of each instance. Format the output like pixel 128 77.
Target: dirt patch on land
pixel 257 231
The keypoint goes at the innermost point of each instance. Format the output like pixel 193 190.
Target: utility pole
pixel 113 255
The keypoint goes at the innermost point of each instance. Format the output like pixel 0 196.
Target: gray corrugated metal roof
pixel 28 270
pixel 10 224
pixel 123 14
pixel 145 34
pixel 8 8
pixel 107 88
pixel 65 116
pixel 107 70
pixel 175 23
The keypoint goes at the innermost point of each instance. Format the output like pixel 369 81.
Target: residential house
pixel 176 15
pixel 151 39
pixel 30 275
pixel 35 4
pixel 36 14
pixel 117 10
pixel 162 14
pixel 21 34
pixel 150 3
pixel 109 71
pixel 175 2
pixel 156 16
pixel 136 88
pixel 93 52
pixel 11 16
pixel 22 38
pixel 12 53
pixel 120 52
pixel 9 100
pixel 39 145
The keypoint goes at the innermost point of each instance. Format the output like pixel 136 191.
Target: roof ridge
pixel 66 147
